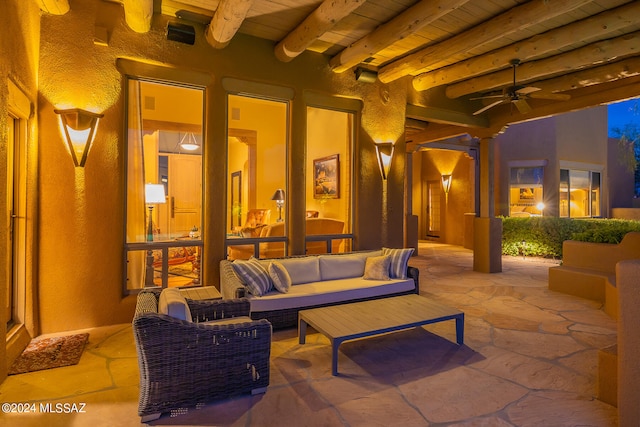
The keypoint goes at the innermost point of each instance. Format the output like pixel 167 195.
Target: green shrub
pixel 543 236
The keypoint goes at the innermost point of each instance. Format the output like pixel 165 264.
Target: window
pixel 579 193
pixel 526 191
pixel 164 207
pixel 328 179
pixel 257 167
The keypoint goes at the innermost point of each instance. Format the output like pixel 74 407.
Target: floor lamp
pixel 153 194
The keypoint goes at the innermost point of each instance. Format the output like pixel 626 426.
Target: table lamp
pixel 278 196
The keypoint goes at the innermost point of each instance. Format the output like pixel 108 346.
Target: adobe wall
pixel 82 212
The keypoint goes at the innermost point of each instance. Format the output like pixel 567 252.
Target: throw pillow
pixel 253 275
pixel 399 261
pixel 173 303
pixel 377 268
pixel 280 276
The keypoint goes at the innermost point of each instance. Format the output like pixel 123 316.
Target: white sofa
pixel 317 280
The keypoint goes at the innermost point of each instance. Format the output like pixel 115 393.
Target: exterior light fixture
pixel 446 183
pixel 189 142
pixel 79 130
pixel 384 152
pixel 153 194
pixel 278 196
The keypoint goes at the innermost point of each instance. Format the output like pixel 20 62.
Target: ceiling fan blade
pixel 493 104
pixel 527 90
pixel 486 97
pixel 522 105
pixel 554 96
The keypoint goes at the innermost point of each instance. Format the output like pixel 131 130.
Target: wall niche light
pixel 446 183
pixel 384 152
pixel 79 128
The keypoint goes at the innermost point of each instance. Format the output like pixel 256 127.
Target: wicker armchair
pixel 185 364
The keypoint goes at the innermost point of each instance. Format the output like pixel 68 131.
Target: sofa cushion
pixel 279 276
pixel 253 275
pixel 172 303
pixel 341 266
pixel 302 269
pixel 329 292
pixel 377 268
pixel 399 261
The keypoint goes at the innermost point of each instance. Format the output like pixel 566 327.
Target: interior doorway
pixel 433 195
pixel 17 207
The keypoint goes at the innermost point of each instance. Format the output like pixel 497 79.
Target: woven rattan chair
pixel 187 364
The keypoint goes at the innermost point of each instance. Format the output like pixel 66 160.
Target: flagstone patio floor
pixel 530 358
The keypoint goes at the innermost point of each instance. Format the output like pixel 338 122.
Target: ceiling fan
pixel 518 95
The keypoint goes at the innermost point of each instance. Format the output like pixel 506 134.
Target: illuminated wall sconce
pixel 446 183
pixel 278 196
pixel 79 130
pixel 153 194
pixel 384 152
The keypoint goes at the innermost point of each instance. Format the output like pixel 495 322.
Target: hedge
pixel 543 236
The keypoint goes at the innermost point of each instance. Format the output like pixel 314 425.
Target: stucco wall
pixel 82 209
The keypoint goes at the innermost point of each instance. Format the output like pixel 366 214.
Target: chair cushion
pixel 172 303
pixel 399 261
pixel 279 276
pixel 377 268
pixel 228 321
pixel 253 275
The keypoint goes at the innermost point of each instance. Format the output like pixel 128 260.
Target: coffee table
pixel 350 321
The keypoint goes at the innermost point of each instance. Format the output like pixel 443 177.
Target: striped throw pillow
pixel 399 261
pixel 253 275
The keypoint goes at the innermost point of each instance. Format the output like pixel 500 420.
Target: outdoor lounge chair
pixel 217 352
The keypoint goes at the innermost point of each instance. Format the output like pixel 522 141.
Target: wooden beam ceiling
pixel 454 50
pixel 515 19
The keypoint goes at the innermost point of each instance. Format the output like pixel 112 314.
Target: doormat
pixel 48 353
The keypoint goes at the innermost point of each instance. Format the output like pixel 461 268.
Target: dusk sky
pixel 623 113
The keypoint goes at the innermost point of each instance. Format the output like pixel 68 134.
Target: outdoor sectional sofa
pixel 319 280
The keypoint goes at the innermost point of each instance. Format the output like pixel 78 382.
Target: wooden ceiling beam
pixel 403 25
pixel 629 67
pixel 138 14
pixel 54 7
pixel 584 57
pixel 599 25
pixel 515 19
pixel 325 17
pixel 226 21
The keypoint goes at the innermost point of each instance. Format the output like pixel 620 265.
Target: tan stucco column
pixel 487 230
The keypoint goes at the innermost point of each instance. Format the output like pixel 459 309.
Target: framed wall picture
pixel 326 177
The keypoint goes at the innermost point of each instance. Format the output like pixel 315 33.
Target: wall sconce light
pixel 189 142
pixel 278 196
pixel 79 130
pixel 384 152
pixel 153 194
pixel 446 183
